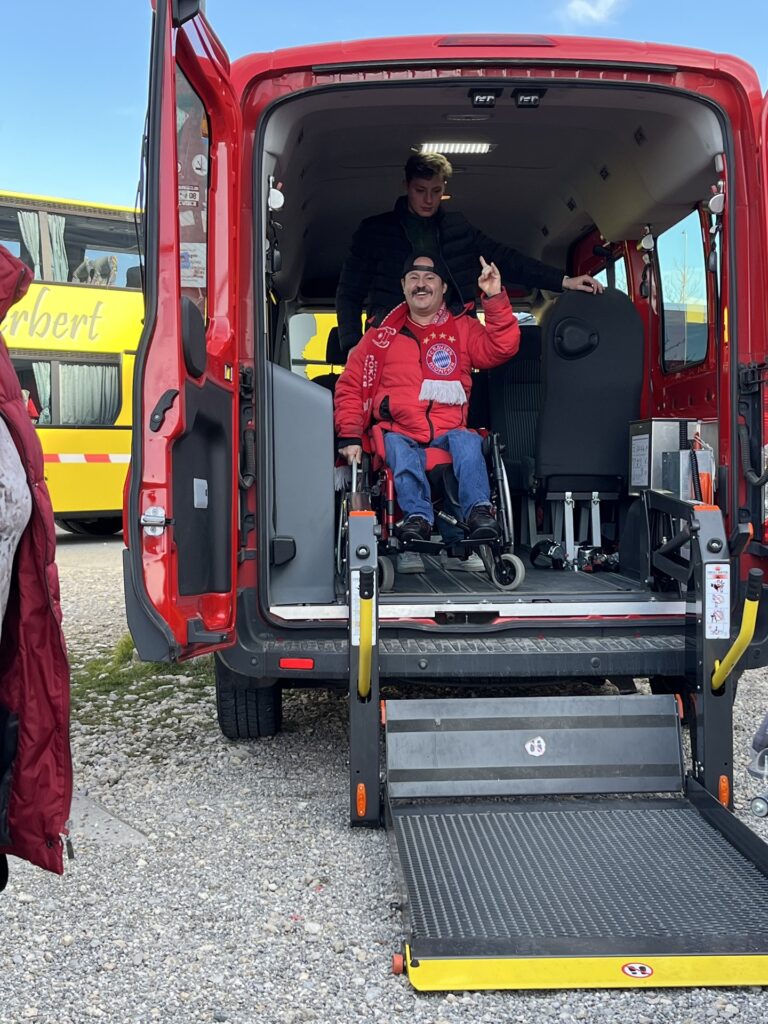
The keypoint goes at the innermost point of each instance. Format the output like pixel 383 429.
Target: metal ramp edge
pixel 582 879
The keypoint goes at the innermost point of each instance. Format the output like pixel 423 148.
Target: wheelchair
pixel 374 481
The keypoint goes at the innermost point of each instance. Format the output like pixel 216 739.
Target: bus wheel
pixel 247 708
pixel 104 527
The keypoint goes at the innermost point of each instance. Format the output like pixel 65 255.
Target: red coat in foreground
pixel 34 672
pixel 383 378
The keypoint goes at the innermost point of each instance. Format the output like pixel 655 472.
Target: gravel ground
pixel 220 882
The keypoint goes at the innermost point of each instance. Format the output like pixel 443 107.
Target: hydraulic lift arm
pixel 697 556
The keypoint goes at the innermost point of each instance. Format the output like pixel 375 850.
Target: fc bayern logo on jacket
pixel 441 360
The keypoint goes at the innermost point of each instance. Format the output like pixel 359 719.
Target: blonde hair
pixel 426 165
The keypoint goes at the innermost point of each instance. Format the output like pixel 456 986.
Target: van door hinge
pixel 751 376
pixel 154 521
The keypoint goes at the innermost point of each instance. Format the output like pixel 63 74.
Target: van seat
pixel 592 379
pixel 514 398
pixel 334 357
pixel 592 370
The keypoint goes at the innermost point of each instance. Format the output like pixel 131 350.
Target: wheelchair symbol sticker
pixel 536 747
pixel 636 970
pixel 441 360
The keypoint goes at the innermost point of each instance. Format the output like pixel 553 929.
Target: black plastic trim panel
pixel 454 659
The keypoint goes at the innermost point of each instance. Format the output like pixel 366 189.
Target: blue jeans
pixel 407 459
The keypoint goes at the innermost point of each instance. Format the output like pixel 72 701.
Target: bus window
pixel 68 393
pixel 66 242
pixel 89 395
pixel 682 270
pixel 192 160
pixel 93 250
pixel 18 230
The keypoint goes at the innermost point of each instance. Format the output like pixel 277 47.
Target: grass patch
pixel 105 686
pixel 124 650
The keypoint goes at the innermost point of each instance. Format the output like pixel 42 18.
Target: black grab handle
pixel 754 584
pixel 680 539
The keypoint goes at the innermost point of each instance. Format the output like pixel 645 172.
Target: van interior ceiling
pixel 617 158
pixel 614 158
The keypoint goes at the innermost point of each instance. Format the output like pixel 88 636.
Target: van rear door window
pixel 192 146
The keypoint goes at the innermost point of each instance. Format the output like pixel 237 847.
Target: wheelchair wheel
pixel 386 574
pixel 341 538
pixel 509 572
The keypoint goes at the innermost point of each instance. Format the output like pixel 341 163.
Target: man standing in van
pixel 418 223
pixel 413 374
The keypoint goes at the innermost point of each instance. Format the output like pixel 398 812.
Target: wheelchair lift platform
pixel 559 842
pixel 555 843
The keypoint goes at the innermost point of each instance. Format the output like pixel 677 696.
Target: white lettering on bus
pixel 42 323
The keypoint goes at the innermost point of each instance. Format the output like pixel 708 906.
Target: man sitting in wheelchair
pixel 410 379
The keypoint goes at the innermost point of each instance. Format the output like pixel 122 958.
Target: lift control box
pixel 649 440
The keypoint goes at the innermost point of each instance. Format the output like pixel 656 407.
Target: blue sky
pixel 76 72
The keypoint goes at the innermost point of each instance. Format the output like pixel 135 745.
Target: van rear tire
pixel 247 708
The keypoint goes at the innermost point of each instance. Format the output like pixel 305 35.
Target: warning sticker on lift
pixel 637 970
pixel 717 601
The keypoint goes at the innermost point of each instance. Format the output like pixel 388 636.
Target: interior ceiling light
pixel 456 147
pixel 471 118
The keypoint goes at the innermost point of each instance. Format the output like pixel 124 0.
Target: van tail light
pixel 297 664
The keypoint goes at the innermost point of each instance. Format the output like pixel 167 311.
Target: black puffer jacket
pixel 380 247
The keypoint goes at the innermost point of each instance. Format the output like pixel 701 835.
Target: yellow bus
pixel 72 341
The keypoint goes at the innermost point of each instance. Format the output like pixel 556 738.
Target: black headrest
pixel 133 277
pixel 333 353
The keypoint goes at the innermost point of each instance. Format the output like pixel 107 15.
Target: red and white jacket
pixel 34 671
pixel 383 376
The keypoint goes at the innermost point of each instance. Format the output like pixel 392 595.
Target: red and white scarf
pixel 440 363
pixel 438 351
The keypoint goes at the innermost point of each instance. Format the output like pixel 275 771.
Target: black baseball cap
pixel 415 262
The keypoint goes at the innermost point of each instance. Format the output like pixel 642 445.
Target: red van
pixel 631 425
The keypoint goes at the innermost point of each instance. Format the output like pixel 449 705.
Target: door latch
pixel 153 520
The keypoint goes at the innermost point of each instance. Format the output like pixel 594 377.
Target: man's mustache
pixel 421 291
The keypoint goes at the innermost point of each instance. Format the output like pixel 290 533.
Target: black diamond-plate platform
pixel 576 878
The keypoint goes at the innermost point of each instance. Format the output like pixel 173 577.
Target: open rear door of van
pixel 181 498
pixel 763 357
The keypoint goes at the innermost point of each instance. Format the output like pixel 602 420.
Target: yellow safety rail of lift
pixel 748 621
pixel 367 584
pixel 628 971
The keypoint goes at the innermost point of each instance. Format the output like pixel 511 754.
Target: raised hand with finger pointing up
pixel 490 279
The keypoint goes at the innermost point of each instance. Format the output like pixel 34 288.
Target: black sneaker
pixel 482 525
pixel 415 528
